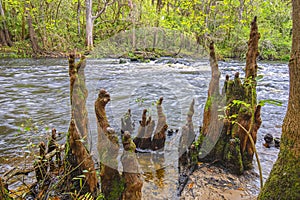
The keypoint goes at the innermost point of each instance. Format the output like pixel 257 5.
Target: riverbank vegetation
pixel 53 27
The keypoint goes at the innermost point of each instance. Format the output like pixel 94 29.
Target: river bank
pixel 46 82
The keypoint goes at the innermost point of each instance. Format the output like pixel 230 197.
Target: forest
pixel 43 27
pixel 140 99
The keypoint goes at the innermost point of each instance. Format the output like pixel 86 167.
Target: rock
pixel 170 132
pixel 271 142
pixel 268 138
pixel 277 142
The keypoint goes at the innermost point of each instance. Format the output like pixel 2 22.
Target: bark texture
pixel 78 93
pixel 126 122
pixel 112 184
pixel 284 179
pixel 147 128
pixel 226 140
pixel 4 34
pixel 78 159
pixel 131 172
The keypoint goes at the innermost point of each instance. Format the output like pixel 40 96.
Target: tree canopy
pixel 60 25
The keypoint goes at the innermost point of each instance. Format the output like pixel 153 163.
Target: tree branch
pixel 106 4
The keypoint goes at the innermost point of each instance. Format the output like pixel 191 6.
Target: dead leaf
pixel 191 185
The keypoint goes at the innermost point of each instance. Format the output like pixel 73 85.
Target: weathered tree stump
pixel 126 122
pixel 41 165
pixel 144 139
pixel 131 172
pixel 231 143
pixel 112 184
pixel 159 138
pixel 188 134
pixel 78 94
pixel 78 160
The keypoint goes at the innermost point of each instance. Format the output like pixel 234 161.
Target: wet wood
pixel 232 145
pixel 126 122
pixel 81 159
pixel 131 172
pixel 144 139
pixel 159 138
pixel 141 131
pixel 78 93
pixel 108 148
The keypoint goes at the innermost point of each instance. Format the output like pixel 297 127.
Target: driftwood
pixel 231 143
pixel 108 147
pixel 131 172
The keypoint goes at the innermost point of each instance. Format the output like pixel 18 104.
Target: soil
pixel 213 183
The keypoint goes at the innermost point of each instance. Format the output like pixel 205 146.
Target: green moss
pixel 284 180
pixel 232 156
pixel 208 103
pixel 117 190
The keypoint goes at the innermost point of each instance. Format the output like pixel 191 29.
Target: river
pixel 34 97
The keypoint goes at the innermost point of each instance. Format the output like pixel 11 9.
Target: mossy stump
pixel 112 184
pixel 131 172
pixel 226 139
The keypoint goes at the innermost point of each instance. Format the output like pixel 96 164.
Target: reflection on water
pixel 39 89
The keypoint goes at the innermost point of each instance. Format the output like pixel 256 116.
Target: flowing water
pixel 34 96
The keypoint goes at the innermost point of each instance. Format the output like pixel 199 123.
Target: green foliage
pixel 60 25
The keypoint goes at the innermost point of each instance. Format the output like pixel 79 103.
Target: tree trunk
pixel 4 34
pixel 284 180
pixel 78 18
pixel 89 25
pixel 33 39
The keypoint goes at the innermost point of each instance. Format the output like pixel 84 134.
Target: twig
pixel 256 154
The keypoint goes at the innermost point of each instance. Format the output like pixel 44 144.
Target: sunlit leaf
pixel 270 101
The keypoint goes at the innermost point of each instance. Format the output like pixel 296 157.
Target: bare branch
pixel 106 4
